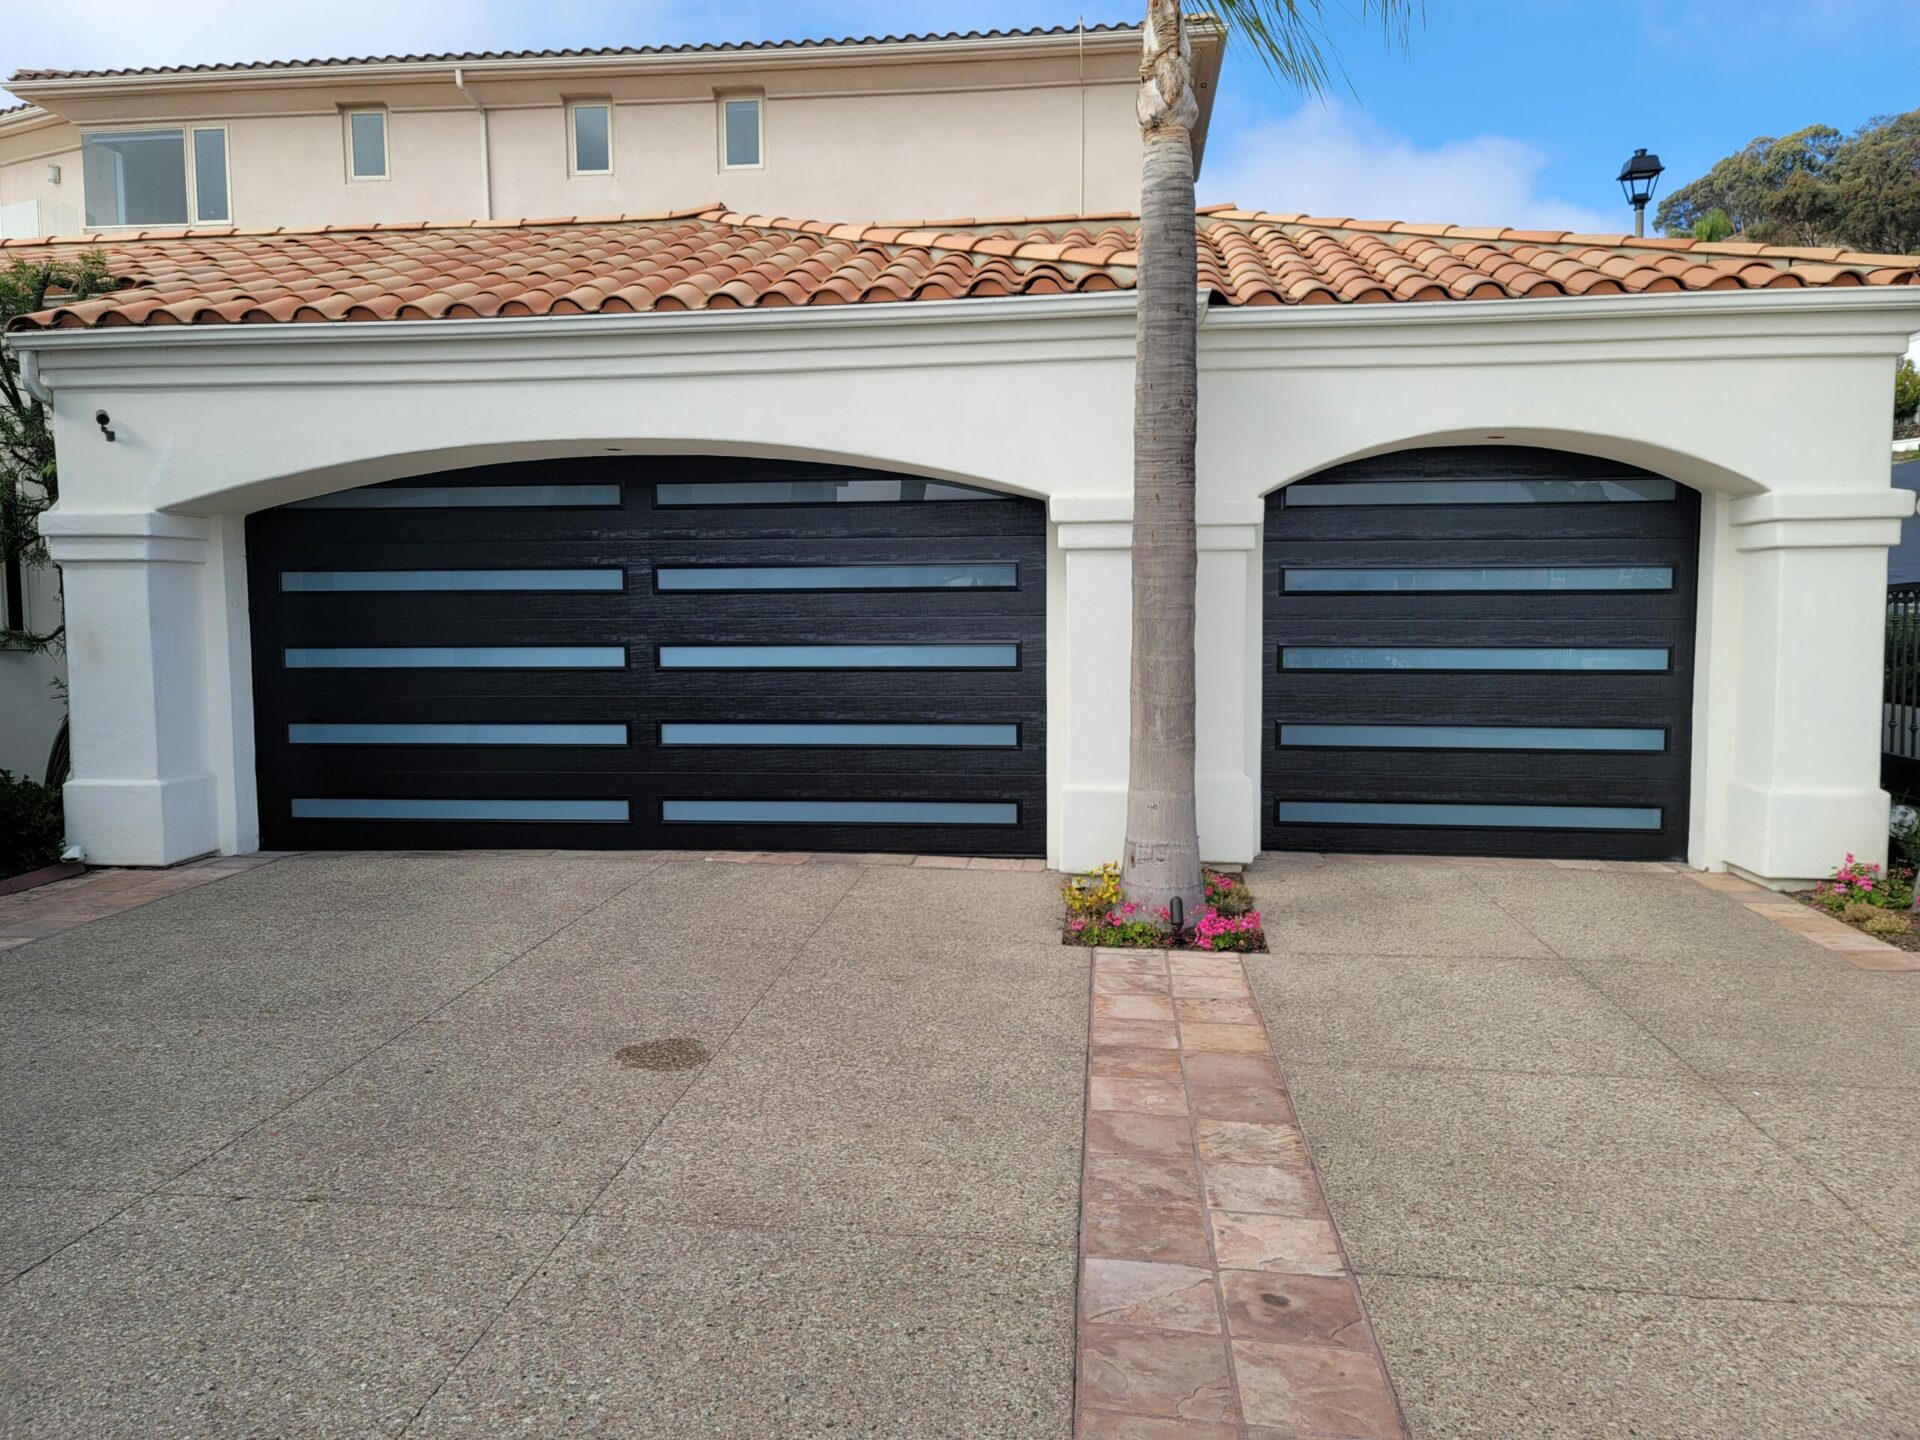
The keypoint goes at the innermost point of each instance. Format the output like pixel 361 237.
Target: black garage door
pixel 684 653
pixel 1480 651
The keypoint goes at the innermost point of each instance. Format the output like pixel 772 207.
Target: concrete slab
pixel 36 1223
pixel 1455 1013
pixel 641 1329
pixel 1422 910
pixel 1864 1145
pixel 194 1318
pixel 454 1114
pixel 1581 1180
pixel 121 1104
pixel 1577 1364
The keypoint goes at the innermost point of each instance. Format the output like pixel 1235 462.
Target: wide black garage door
pixel 1480 651
pixel 675 653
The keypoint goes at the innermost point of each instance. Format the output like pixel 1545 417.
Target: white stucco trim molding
pixel 1772 403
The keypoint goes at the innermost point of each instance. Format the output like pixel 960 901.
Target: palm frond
pixel 1291 37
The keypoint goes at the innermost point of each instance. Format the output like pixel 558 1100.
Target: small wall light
pixel 105 422
pixel 53 174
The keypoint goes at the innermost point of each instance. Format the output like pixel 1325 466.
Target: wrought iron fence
pixel 1900 709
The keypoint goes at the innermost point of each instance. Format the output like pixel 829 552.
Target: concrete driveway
pixel 347 1145
pixel 1611 1155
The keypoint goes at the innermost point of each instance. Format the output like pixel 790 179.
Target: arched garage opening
pixel 699 652
pixel 1479 650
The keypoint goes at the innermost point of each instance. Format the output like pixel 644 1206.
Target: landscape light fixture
pixel 1637 178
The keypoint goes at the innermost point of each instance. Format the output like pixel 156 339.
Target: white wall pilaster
pixel 1805 788
pixel 142 792
pixel 1095 536
pixel 1227 627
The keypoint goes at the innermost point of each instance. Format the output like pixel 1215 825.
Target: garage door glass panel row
pixel 687 653
pixel 1479 650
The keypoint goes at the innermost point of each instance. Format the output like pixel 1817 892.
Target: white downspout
pixel 486 145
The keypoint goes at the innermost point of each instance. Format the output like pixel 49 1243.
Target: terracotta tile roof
pixel 606 52
pixel 714 259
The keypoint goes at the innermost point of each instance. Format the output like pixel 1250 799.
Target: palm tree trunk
pixel 1162 859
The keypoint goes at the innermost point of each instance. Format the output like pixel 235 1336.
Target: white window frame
pixel 760 114
pixel 573 136
pixel 186 129
pixel 386 143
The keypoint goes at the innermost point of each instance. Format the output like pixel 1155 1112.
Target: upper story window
pixel 741 132
pixel 367 145
pixel 168 176
pixel 591 145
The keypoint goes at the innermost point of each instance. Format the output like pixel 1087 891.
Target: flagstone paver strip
pixel 1216 1302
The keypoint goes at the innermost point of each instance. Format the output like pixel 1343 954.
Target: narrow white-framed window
pixel 366 134
pixel 590 137
pixel 155 175
pixel 742 132
pixel 212 178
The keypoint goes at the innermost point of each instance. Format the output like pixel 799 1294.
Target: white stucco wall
pixel 1771 403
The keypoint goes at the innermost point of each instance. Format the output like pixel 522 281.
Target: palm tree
pixel 1162 857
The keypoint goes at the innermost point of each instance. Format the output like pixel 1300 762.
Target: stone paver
pixel 1648 1172
pixel 369 1144
pixel 1214 1296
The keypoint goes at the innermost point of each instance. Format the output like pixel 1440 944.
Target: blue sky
pixel 1501 112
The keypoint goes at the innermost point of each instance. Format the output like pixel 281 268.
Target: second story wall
pixel 988 126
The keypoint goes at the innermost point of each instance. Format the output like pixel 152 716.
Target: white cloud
pixel 1332 160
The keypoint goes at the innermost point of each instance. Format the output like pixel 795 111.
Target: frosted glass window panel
pixel 742 137
pixel 839 657
pixel 466 497
pixel 592 139
pixel 878 490
pixel 943 735
pixel 1507 817
pixel 459 657
pixel 518 580
pixel 1469 657
pixel 209 176
pixel 1477 492
pixel 450 733
pixel 1473 737
pixel 842 812
pixel 933 576
pixel 435 809
pixel 367 144
pixel 1488 578
pixel 134 177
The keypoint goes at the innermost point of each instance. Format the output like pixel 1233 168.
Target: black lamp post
pixel 1637 178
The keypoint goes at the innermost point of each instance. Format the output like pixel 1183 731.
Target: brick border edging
pixel 1215 1299
pixel 44 875
pixel 1856 947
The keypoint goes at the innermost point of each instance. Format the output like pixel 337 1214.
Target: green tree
pixel 1906 393
pixel 28 483
pixel 1162 859
pixel 1814 187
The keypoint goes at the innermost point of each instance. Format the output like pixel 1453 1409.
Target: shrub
pixel 31 825
pixel 1097 914
pixel 1906 393
pixel 1885 922
pixel 1093 895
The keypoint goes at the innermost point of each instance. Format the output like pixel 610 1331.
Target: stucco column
pixel 1227 645
pixel 1089 721
pixel 142 791
pixel 1805 788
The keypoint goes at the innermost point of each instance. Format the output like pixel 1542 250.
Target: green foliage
pixel 1813 187
pixel 1095 894
pixel 1712 226
pixel 1885 922
pixel 1906 393
pixel 31 825
pixel 1290 36
pixel 28 483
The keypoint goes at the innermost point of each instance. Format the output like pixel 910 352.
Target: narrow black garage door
pixel 685 653
pixel 1480 651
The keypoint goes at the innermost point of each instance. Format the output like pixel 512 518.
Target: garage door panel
pixel 1518 720
pixel 847 707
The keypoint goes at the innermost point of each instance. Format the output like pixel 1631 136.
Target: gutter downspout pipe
pixel 486 145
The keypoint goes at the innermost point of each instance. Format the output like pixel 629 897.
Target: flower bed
pixel 1098 914
pixel 1870 899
